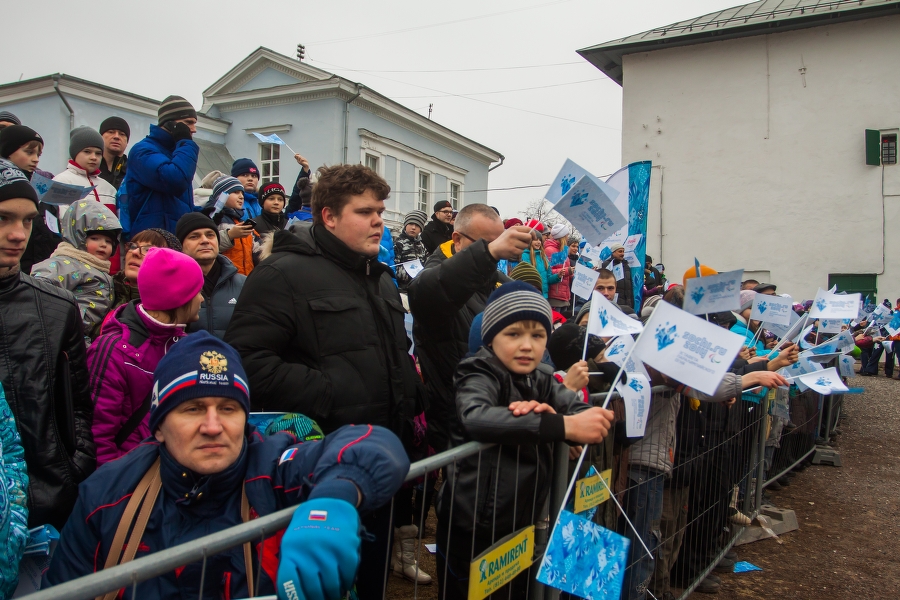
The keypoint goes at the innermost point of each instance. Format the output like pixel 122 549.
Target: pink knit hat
pixel 168 279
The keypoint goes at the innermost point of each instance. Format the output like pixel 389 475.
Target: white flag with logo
pixel 824 382
pixel 712 294
pixel 772 309
pixel 832 325
pixel 413 268
pixel 567 177
pixel 636 394
pixel 834 306
pixel 589 207
pixel 583 281
pixel 781 331
pixel 687 348
pixel 606 320
pixel 846 364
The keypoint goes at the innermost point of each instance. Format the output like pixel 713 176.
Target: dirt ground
pixel 847 545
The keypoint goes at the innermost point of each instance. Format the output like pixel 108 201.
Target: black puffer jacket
pixel 216 311
pixel 42 367
pixel 444 300
pixel 436 233
pixel 484 391
pixel 625 286
pixel 320 331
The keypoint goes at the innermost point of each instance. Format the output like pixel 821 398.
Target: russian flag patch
pixel 318 515
pixel 288 454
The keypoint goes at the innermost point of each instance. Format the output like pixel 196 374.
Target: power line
pixel 540 87
pixel 432 25
pixel 448 94
pixel 576 62
pixel 503 189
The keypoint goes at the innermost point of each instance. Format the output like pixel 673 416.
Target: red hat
pixel 535 224
pixel 511 223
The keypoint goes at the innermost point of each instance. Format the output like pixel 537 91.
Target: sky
pixel 486 67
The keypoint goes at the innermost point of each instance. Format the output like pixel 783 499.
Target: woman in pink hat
pixel 136 337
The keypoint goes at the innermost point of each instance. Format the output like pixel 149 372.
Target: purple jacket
pixel 121 364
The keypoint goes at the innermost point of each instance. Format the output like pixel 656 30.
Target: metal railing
pixel 721 455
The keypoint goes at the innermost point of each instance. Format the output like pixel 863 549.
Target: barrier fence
pixel 688 501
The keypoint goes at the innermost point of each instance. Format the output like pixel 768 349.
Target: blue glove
pixel 319 551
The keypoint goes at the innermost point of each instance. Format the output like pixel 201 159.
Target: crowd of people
pixel 143 324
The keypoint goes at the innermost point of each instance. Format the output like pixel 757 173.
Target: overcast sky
pixel 181 47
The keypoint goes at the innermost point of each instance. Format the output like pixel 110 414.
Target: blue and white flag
pixel 589 207
pixel 566 179
pixel 842 342
pixel 636 395
pixel 832 325
pixel 617 351
pixel 781 331
pixel 687 348
pixel 834 306
pixel 712 294
pixel 893 326
pixel 606 320
pixel 583 281
pixel 824 382
pixel 846 364
pixel 56 192
pixel 801 367
pixel 772 309
pixel 267 139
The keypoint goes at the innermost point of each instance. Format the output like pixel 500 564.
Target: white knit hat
pixel 559 231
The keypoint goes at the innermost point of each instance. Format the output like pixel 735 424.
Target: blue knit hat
pixel 226 185
pixel 513 302
pixel 242 166
pixel 198 366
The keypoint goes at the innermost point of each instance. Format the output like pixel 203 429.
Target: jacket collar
pixel 76 168
pixel 448 249
pixel 161 137
pixel 191 489
pixel 309 239
pixel 67 250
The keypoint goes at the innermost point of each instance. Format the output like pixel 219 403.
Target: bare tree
pixel 543 211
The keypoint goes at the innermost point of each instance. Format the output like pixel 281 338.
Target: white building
pixel 772 128
pixel 326 118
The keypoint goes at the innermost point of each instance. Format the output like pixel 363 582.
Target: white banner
pixel 894 326
pixel 712 294
pixel 589 207
pixel 773 309
pixel 687 348
pixel 567 177
pixel 846 365
pixel 801 367
pixel 413 268
pixel 781 331
pixel 583 281
pixel 834 306
pixel 824 382
pixel 636 394
pixel 832 325
pixel 606 320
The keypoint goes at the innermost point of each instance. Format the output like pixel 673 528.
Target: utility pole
pixel 430 106
pixel 301 52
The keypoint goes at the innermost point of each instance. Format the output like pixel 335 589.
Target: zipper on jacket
pixel 368 266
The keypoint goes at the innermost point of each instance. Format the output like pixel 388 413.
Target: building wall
pixel 760 153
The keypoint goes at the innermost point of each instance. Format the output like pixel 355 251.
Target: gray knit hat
pixel 84 137
pixel 226 184
pixel 7 116
pixel 174 108
pixel 513 302
pixel 417 217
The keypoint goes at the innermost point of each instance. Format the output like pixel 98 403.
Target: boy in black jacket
pixel 505 395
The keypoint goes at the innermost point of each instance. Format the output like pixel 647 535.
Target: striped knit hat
pixel 174 108
pixel 226 184
pixel 198 366
pixel 513 302
pixel 7 116
pixel 527 273
pixel 416 217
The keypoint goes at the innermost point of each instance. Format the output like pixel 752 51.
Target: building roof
pixel 755 18
pixel 227 94
pixel 212 157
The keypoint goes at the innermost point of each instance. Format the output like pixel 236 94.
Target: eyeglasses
pixel 448 211
pixel 142 250
pixel 471 239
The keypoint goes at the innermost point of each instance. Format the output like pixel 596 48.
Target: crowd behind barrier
pixel 171 320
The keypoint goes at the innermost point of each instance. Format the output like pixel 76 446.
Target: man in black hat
pixel 439 230
pixel 767 289
pixel 115 132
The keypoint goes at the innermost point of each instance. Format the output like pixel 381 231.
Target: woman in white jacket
pixel 86 152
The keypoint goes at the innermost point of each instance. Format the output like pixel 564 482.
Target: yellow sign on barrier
pixel 590 491
pixel 499 564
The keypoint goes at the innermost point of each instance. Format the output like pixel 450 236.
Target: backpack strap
pixel 248 556
pixel 133 421
pixel 143 497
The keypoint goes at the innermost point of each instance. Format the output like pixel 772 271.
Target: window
pixel 454 195
pixel 889 149
pixel 424 179
pixel 372 162
pixel 269 163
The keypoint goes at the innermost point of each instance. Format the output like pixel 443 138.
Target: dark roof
pixel 755 18
pixel 212 157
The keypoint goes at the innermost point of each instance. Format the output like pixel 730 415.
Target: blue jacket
pixel 190 506
pixel 742 329
pixel 159 177
pixel 13 505
pixel 252 209
pixel 547 277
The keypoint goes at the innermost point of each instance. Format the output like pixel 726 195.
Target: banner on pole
pixel 773 309
pixel 583 281
pixel 714 293
pixel 588 206
pixel 606 320
pixel 835 306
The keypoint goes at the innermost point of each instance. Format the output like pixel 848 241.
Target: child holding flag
pixel 505 396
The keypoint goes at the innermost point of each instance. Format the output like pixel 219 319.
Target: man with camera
pixel 161 168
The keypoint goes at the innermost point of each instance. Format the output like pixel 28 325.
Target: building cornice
pixel 379 141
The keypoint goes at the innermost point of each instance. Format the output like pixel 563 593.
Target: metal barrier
pixel 688 500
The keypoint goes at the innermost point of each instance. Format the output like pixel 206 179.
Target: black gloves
pixel 609 371
pixel 180 131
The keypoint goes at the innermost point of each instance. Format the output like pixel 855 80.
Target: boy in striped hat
pixel 409 246
pixel 505 396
